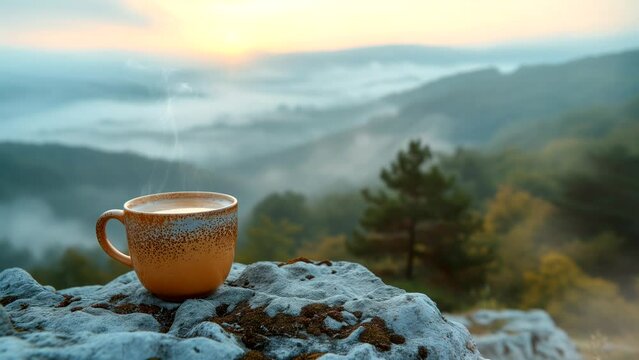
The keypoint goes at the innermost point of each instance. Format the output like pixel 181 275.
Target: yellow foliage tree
pixel 521 226
pixel 577 301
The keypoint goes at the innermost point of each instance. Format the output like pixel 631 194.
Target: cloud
pixel 36 14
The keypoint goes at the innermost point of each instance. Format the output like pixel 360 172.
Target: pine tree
pixel 420 214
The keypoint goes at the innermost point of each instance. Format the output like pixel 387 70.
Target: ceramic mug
pixel 181 244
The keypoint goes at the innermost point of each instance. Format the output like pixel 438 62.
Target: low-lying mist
pixel 30 223
pixel 132 102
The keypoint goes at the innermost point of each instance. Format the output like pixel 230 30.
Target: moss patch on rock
pixel 379 335
pixel 68 299
pixel 305 260
pixel 254 326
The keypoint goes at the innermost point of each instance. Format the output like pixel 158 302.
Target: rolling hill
pixel 480 103
pixel 466 109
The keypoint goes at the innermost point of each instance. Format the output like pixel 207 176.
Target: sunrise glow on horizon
pixel 241 27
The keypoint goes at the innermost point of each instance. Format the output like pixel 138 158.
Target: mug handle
pixel 100 231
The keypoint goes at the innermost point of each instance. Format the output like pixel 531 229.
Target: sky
pixel 237 28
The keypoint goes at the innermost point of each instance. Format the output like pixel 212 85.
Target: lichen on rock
pixel 296 310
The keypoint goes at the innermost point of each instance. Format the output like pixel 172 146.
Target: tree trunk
pixel 411 249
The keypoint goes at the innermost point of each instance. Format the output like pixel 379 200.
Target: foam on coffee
pixel 182 205
pixel 186 210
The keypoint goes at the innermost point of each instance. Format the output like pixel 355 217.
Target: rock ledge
pixel 297 310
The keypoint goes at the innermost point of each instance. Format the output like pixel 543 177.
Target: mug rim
pixel 164 195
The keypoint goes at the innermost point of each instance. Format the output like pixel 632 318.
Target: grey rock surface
pixel 336 310
pixel 518 335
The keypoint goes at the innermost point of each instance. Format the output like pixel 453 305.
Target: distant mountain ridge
pixel 479 103
pixel 536 52
pixel 464 109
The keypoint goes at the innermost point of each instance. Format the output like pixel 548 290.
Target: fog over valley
pixel 308 122
pixel 183 109
pixel 217 113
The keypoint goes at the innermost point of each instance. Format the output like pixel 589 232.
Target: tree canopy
pixel 422 215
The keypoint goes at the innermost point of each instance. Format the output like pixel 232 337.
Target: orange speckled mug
pixel 182 244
